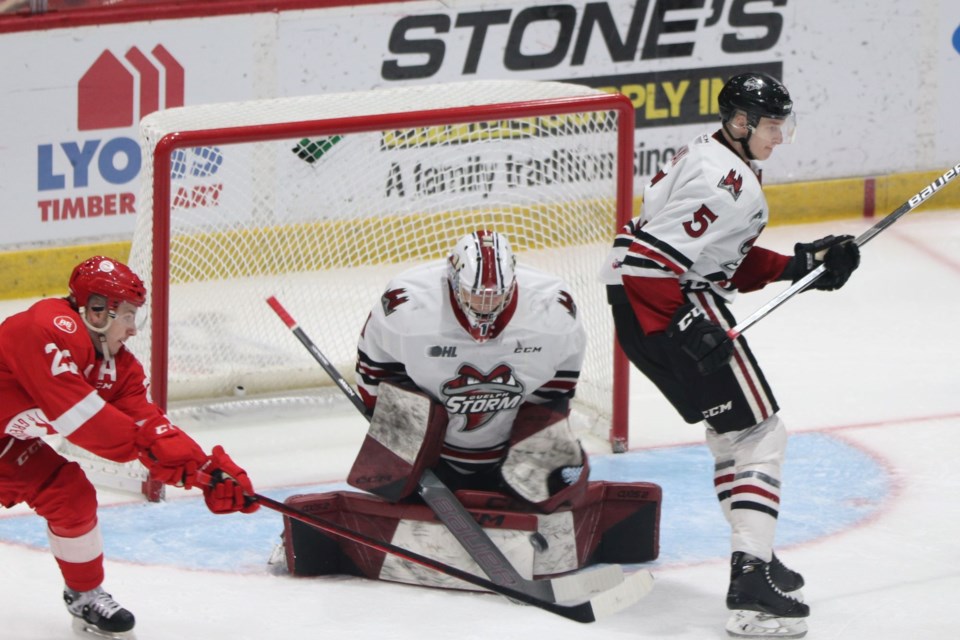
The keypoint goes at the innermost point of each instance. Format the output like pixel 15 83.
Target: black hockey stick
pixel 465 529
pixel 915 201
pixel 598 606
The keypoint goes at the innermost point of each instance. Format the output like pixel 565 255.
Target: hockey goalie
pixel 467 366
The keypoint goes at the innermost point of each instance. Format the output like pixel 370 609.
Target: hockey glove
pixel 704 341
pixel 839 255
pixel 170 454
pixel 229 489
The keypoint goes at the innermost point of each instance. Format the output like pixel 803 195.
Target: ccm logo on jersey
pixel 733 183
pixel 65 324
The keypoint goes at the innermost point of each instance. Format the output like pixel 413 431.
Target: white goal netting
pixel 320 200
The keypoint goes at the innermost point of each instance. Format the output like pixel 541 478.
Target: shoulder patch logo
pixel 65 324
pixel 566 300
pixel 732 182
pixel 393 299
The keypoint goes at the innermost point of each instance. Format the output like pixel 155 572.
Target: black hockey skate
pixel 96 613
pixel 760 606
pixel 784 577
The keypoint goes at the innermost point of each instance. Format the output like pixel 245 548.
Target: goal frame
pixel 171 142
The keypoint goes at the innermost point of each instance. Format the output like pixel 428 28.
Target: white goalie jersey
pixel 414 336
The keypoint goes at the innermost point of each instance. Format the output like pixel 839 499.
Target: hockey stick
pixel 605 603
pixel 461 524
pixel 915 201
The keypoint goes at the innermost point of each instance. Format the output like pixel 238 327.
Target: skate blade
pixel 753 624
pixel 87 630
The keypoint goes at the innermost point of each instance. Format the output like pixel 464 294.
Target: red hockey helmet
pixel 108 278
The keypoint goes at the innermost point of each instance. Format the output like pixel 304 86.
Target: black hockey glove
pixel 704 341
pixel 839 254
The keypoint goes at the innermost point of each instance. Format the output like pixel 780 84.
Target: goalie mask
pixel 102 284
pixel 482 280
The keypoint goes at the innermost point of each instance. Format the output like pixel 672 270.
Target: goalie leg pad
pixel 414 527
pixel 615 522
pixel 404 438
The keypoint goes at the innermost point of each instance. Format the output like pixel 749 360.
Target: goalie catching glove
pixel 174 458
pixel 839 255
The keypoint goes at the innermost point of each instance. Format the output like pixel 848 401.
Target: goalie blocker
pixel 543 530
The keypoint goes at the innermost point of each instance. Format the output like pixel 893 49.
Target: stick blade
pixel 634 588
pixel 580 586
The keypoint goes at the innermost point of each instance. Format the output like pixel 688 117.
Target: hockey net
pixel 321 200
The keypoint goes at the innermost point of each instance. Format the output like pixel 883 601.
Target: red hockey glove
pixel 229 489
pixel 170 454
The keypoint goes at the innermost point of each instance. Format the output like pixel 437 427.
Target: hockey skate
pixel 789 581
pixel 96 613
pixel 760 608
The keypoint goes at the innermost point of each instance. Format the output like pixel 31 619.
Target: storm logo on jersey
pixel 478 396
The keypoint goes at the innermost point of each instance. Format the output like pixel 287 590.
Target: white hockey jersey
pixel 413 334
pixel 701 215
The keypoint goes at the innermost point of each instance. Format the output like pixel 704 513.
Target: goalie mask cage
pixel 321 200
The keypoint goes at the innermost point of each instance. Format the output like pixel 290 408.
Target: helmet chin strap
pixel 744 141
pixel 100 331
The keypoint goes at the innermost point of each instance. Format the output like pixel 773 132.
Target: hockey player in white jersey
pixel 494 342
pixel 670 276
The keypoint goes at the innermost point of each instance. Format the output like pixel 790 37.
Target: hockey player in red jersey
pixel 670 276
pixel 64 369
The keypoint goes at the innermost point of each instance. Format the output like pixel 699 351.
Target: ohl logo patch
pixel 478 396
pixel 105 93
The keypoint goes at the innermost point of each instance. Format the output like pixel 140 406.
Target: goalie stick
pixel 470 535
pixel 915 201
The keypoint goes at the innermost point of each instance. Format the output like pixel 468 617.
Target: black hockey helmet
pixel 757 94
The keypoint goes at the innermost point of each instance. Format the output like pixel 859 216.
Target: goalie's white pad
pixel 614 523
pixel 753 624
pixel 404 438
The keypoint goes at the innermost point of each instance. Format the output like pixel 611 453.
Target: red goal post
pixel 320 200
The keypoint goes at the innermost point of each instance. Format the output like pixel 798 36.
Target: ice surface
pixel 867 382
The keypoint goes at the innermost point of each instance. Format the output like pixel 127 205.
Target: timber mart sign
pixel 106 99
pixel 568 38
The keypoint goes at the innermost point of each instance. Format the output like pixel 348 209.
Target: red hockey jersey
pixel 52 380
